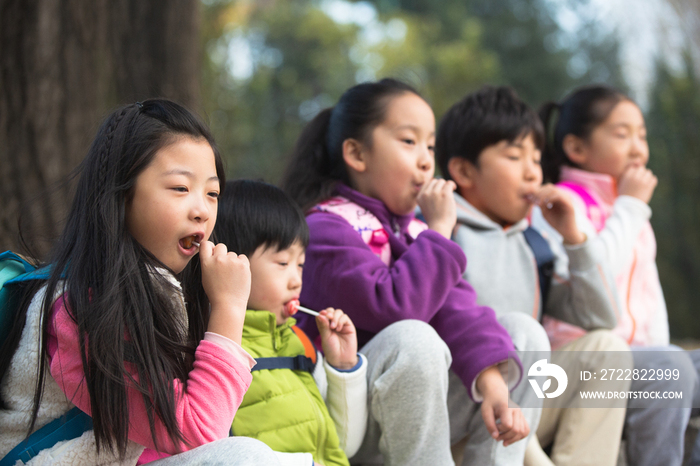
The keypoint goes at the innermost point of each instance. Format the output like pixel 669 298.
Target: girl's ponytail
pixel 310 175
pixel 317 164
pixel 552 160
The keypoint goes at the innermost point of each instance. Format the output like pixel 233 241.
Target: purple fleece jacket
pixel 423 282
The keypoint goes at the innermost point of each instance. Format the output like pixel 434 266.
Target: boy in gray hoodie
pixel 489 144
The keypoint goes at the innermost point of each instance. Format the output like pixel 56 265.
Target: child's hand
pixel 338 338
pixel 637 181
pixel 513 426
pixel 437 203
pixel 226 280
pixel 558 209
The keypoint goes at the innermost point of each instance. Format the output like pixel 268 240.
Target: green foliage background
pixel 301 60
pixel 673 122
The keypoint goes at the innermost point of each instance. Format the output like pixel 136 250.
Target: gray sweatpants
pixel 234 451
pixel 407 365
pixel 465 415
pixel 409 422
pixel 655 435
pixel 695 453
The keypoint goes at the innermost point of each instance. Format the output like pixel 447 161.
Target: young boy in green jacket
pixel 304 407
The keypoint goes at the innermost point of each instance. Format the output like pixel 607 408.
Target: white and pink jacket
pixel 621 225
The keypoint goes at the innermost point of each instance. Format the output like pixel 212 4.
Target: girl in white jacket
pixel 599 153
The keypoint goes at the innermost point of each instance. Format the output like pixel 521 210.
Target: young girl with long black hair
pixel 139 324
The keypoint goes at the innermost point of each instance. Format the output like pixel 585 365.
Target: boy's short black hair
pixel 253 214
pixel 482 119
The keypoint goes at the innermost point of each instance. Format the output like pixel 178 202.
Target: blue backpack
pixel 14 270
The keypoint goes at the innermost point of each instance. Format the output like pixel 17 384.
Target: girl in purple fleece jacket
pixel 359 170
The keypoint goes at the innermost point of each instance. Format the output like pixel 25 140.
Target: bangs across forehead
pixel 511 127
pixel 282 232
pixel 253 214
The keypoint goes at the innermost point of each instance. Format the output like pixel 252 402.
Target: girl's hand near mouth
pixel 637 181
pixel 437 204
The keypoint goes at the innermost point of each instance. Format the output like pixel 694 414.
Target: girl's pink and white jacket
pixel 622 228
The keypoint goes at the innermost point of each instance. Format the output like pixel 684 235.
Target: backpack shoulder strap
pixel 295 363
pixel 364 222
pixel 67 427
pixel 582 193
pixel 544 258
pixel 309 348
pixel 416 227
pixel 303 362
pixel 13 266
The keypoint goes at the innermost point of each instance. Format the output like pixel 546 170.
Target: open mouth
pixel 188 242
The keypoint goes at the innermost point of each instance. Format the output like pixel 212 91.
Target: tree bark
pixel 64 64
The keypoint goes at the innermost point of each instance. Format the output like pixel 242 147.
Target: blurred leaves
pixel 271 65
pixel 298 59
pixel 533 54
pixel 673 123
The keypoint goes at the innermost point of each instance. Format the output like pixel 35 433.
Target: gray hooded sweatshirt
pixel 502 269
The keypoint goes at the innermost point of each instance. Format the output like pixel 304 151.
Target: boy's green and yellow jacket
pixel 284 408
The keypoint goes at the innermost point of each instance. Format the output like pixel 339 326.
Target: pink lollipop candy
pixel 293 306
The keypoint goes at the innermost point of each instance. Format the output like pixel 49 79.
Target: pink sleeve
pixel 204 410
pixel 232 347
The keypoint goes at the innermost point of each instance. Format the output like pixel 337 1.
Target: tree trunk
pixel 63 65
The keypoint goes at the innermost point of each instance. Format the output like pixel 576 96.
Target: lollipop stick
pixel 307 310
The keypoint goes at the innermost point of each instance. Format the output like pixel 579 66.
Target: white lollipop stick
pixel 307 310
